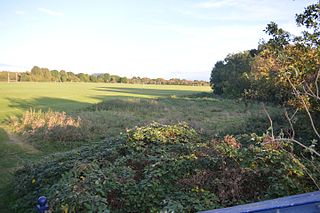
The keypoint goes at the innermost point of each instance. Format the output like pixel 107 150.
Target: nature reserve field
pixel 18 97
pixel 147 138
pixel 106 110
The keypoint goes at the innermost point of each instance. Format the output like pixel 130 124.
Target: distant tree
pixel 106 77
pixel 3 76
pixel 63 76
pixel 83 77
pixel 230 77
pixel 25 76
pixel 46 74
pixel 160 80
pixel 40 74
pixel 93 78
pixel 123 80
pixel 55 76
pixel 72 77
pixel 114 79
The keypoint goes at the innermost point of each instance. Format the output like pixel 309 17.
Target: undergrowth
pixel 160 167
pixel 209 116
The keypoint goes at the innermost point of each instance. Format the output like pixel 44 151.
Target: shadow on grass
pixel 146 91
pixel 11 156
pixel 3 135
pixel 45 103
pixel 57 104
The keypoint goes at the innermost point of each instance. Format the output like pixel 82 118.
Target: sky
pixel 146 38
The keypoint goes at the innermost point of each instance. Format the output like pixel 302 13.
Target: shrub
pixel 163 167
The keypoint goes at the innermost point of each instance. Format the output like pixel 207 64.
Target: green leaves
pixel 227 77
pixel 162 167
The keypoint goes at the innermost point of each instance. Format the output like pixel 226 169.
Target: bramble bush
pixel 165 167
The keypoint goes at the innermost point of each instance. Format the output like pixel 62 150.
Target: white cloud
pixel 13 68
pixel 19 12
pixel 216 3
pixel 238 10
pixel 50 12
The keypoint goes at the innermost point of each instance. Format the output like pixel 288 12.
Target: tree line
pixel 38 74
pixel 279 67
pixel 284 70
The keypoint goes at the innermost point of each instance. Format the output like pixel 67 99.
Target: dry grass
pixel 47 125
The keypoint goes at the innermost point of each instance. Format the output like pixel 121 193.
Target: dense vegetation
pixel 210 116
pixel 168 167
pixel 272 71
pixel 284 70
pixel 165 167
pixel 38 74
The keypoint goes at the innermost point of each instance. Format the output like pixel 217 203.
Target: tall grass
pixel 49 125
pixel 211 117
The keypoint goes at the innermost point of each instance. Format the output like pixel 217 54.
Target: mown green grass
pixel 15 98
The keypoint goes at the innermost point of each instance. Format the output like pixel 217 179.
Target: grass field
pixel 15 98
pixel 108 109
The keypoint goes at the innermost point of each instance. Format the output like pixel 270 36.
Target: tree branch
pixel 298 94
pixel 290 123
pixel 299 143
pixel 270 120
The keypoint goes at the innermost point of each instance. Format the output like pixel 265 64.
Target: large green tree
pixel 230 77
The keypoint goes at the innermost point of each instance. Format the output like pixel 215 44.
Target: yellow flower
pixel 33 181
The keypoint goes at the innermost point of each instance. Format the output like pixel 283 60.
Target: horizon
pixel 158 39
pixel 99 74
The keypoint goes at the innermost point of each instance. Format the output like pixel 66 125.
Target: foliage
pixel 230 77
pixel 164 167
pixel 283 62
pixel 285 70
pixel 280 171
pixel 9 76
pixel 311 20
pixel 291 62
pixel 38 74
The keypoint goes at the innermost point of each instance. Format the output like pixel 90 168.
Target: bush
pixel 163 167
pixel 230 76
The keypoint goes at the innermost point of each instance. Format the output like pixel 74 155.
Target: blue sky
pixel 152 38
